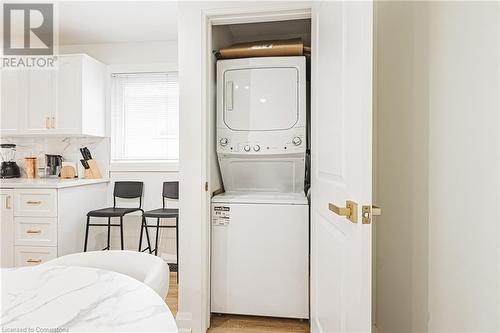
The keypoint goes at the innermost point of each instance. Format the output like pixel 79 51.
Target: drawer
pixel 33 255
pixel 35 231
pixel 35 202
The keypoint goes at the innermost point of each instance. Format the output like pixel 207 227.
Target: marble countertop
pixel 70 299
pixel 47 182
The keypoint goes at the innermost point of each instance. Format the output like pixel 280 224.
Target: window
pixel 145 117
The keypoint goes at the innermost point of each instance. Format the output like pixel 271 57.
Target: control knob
pixel 256 147
pixel 223 142
pixel 297 141
pixel 247 148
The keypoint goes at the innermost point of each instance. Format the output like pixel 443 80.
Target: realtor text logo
pixel 28 35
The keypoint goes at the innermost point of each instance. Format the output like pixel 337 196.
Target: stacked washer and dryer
pixel 260 225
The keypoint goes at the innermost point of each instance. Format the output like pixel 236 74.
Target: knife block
pixel 93 171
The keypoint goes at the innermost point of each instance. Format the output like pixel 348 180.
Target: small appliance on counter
pixel 30 167
pixel 9 168
pixel 53 165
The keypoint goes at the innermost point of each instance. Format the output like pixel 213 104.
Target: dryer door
pixel 261 99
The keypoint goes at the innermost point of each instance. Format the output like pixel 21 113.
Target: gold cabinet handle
pixel 29 202
pixel 350 211
pixel 34 261
pixel 367 212
pixel 53 123
pixel 47 122
pixel 7 202
pixel 38 231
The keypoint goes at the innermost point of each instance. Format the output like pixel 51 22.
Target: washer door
pixel 261 99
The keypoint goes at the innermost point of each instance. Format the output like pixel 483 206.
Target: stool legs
pixel 121 231
pixel 157 234
pixel 86 234
pixel 145 226
pixel 177 245
pixel 109 233
pixel 140 235
pixel 147 236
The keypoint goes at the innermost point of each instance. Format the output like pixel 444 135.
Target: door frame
pixel 212 17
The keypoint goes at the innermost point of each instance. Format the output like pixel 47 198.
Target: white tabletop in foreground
pixel 68 299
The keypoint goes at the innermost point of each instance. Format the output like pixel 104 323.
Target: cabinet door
pixel 68 116
pixel 13 100
pixel 7 229
pixel 41 94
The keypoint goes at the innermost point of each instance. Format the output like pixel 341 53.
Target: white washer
pixel 260 246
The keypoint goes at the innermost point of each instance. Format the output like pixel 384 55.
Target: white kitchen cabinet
pixel 80 96
pixel 12 101
pixel 33 255
pixel 40 103
pixel 7 228
pixel 43 220
pixel 66 101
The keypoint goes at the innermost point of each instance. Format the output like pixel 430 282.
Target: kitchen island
pixel 44 218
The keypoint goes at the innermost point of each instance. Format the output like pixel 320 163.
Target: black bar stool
pixel 124 190
pixel 170 191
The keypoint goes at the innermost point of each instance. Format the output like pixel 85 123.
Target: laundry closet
pixel 259 146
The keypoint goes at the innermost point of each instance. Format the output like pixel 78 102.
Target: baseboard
pixel 184 322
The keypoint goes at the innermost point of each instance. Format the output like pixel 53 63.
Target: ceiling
pixel 94 22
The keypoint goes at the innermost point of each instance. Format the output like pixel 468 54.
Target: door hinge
pixel 206 186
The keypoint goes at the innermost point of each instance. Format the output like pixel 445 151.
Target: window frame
pixel 144 165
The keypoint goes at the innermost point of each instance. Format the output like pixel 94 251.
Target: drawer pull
pixel 34 261
pixel 7 202
pixel 29 202
pixel 34 231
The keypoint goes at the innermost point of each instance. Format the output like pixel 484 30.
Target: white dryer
pixel 261 124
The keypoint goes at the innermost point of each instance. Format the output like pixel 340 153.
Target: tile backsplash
pixel 68 148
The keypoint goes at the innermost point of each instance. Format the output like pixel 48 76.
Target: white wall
pixel 127 53
pixel 147 54
pixel 402 118
pixel 438 241
pixel 464 275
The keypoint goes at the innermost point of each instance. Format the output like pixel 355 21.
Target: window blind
pixel 145 117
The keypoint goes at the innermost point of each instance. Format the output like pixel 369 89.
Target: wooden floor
pixel 241 324
pixel 172 294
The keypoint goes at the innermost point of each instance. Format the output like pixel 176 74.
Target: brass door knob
pixel 350 211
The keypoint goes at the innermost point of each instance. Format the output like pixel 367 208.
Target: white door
pixel 7 228
pixel 41 94
pixel 13 100
pixel 341 149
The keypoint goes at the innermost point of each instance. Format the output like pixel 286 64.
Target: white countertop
pixel 47 182
pixel 80 299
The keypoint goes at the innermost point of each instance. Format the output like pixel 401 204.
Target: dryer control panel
pixel 264 144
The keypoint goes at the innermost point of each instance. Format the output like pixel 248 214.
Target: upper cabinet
pixel 68 101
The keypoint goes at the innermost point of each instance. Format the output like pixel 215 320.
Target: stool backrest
pixel 170 191
pixel 128 190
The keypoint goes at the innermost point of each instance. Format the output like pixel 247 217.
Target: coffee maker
pixel 9 168
pixel 53 165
